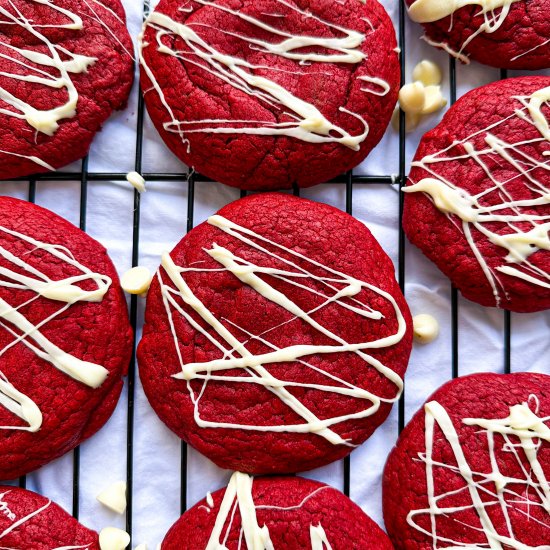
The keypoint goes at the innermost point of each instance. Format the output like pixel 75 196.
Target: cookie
pixel 508 34
pixel 264 94
pixel 471 469
pixel 276 336
pixel 66 66
pixel 65 339
pixel 478 195
pixel 278 513
pixel 31 521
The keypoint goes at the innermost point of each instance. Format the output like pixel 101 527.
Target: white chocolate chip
pixel 433 101
pixel 111 538
pixel 411 121
pixel 114 497
pixel 428 73
pixel 136 280
pixel 411 97
pixel 417 100
pixel 426 328
pixel 136 180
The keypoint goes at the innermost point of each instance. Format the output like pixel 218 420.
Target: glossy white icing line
pixel 530 50
pixel 4 507
pixel 57 57
pixel 32 158
pixel 375 85
pixel 47 65
pixel 494 14
pixel 99 19
pixel 16 524
pixel 20 405
pixel 346 46
pixel 504 223
pixel 294 506
pixel 23 276
pixel 319 540
pixel 238 495
pixel 338 288
pixel 305 121
pixel 536 116
pixel 427 11
pixel 445 47
pixel 491 494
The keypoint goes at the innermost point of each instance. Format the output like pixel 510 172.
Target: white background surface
pixel 163 222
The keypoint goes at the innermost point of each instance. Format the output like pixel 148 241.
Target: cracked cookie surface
pixel 290 512
pixel 66 66
pixel 514 39
pixel 270 93
pixel 477 202
pixel 275 336
pixel 65 338
pixel 29 520
pixel 471 468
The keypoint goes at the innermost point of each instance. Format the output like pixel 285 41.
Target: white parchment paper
pixel 156 454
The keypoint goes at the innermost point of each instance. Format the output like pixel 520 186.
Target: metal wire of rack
pixel 349 180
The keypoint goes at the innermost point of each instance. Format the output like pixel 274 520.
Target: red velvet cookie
pixel 471 469
pixel 282 513
pixel 478 195
pixel 29 521
pixel 65 340
pixel 66 65
pixel 264 94
pixel 275 335
pixel 509 34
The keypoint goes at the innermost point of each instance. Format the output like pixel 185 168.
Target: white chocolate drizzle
pixel 445 47
pixel 514 225
pixel 24 277
pixel 301 119
pixel 238 495
pixel 4 507
pixel 492 493
pixel 338 288
pixel 17 523
pixel 49 66
pixel 319 540
pixel 58 58
pixel 428 11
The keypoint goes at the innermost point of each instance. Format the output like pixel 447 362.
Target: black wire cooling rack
pixel 84 177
